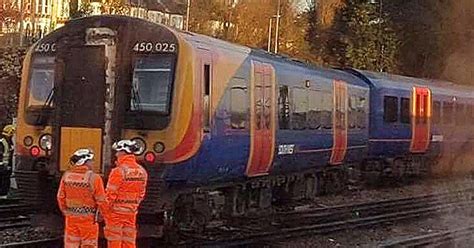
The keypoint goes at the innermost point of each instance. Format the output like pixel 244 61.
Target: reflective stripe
pixel 126 201
pixel 123 209
pixel 113 228
pixel 82 210
pixel 89 242
pixel 129 229
pixel 112 187
pixel 73 238
pixel 114 238
pixel 100 198
pixel 129 239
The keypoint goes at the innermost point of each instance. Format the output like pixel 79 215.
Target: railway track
pixel 292 224
pixel 41 243
pixel 433 239
pixel 14 214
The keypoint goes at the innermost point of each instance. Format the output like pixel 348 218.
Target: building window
pixel 405 110
pixel 390 109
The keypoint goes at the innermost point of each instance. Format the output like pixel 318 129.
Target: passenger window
pixel 238 107
pixel 460 114
pixel 390 108
pixel 405 110
pixel 448 112
pixel 206 98
pixel 300 108
pixel 314 113
pixel 284 108
pixel 361 107
pixel 352 114
pixel 469 113
pixel 327 109
pixel 436 112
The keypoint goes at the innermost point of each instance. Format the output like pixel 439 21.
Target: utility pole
pixel 277 26
pixel 187 14
pixel 20 30
pixel 269 46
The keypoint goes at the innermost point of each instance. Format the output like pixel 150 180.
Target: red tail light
pixel 35 151
pixel 150 157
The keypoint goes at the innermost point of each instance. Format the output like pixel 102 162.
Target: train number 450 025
pixel 154 47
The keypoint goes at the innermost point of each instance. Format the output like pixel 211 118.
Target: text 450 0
pixel 154 47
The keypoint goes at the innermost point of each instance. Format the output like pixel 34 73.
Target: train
pixel 223 129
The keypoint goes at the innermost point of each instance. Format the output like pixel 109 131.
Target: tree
pixel 370 41
pixel 116 7
pixel 76 11
pixel 9 15
pixel 354 34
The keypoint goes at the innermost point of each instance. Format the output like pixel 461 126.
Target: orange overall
pixel 80 194
pixel 125 190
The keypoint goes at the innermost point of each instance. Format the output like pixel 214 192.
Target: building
pixel 42 16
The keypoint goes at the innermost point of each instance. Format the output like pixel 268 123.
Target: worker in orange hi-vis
pixel 80 196
pixel 125 190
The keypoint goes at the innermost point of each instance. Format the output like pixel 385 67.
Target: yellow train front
pixel 95 81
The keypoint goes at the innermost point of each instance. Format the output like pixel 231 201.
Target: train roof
pixel 385 80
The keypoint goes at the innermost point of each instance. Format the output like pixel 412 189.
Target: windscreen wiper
pixel 137 105
pixel 47 104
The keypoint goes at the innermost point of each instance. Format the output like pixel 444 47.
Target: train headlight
pixel 141 145
pixel 35 151
pixel 159 147
pixel 46 142
pixel 28 141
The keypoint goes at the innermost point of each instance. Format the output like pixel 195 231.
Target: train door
pixel 339 147
pixel 420 119
pixel 86 99
pixel 262 119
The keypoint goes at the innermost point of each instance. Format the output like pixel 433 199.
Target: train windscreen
pixel 41 82
pixel 152 84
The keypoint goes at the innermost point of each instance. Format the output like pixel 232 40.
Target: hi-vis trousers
pixel 120 230
pixel 81 231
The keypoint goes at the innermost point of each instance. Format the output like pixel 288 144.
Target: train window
pixel 448 112
pixel 300 108
pixel 460 114
pixel 313 120
pixel 390 109
pixel 469 113
pixel 436 112
pixel 405 110
pixel 152 79
pixel 284 108
pixel 238 107
pixel 353 112
pixel 206 97
pixel 41 82
pixel 361 112
pixel 327 108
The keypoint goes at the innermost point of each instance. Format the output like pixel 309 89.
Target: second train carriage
pixel 223 128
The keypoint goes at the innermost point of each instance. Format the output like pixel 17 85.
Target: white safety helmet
pixel 81 156
pixel 128 146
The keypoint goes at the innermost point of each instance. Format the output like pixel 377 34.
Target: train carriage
pixel 417 123
pixel 224 130
pixel 233 122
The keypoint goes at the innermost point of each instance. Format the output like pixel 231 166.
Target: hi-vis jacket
pixel 81 193
pixel 126 186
